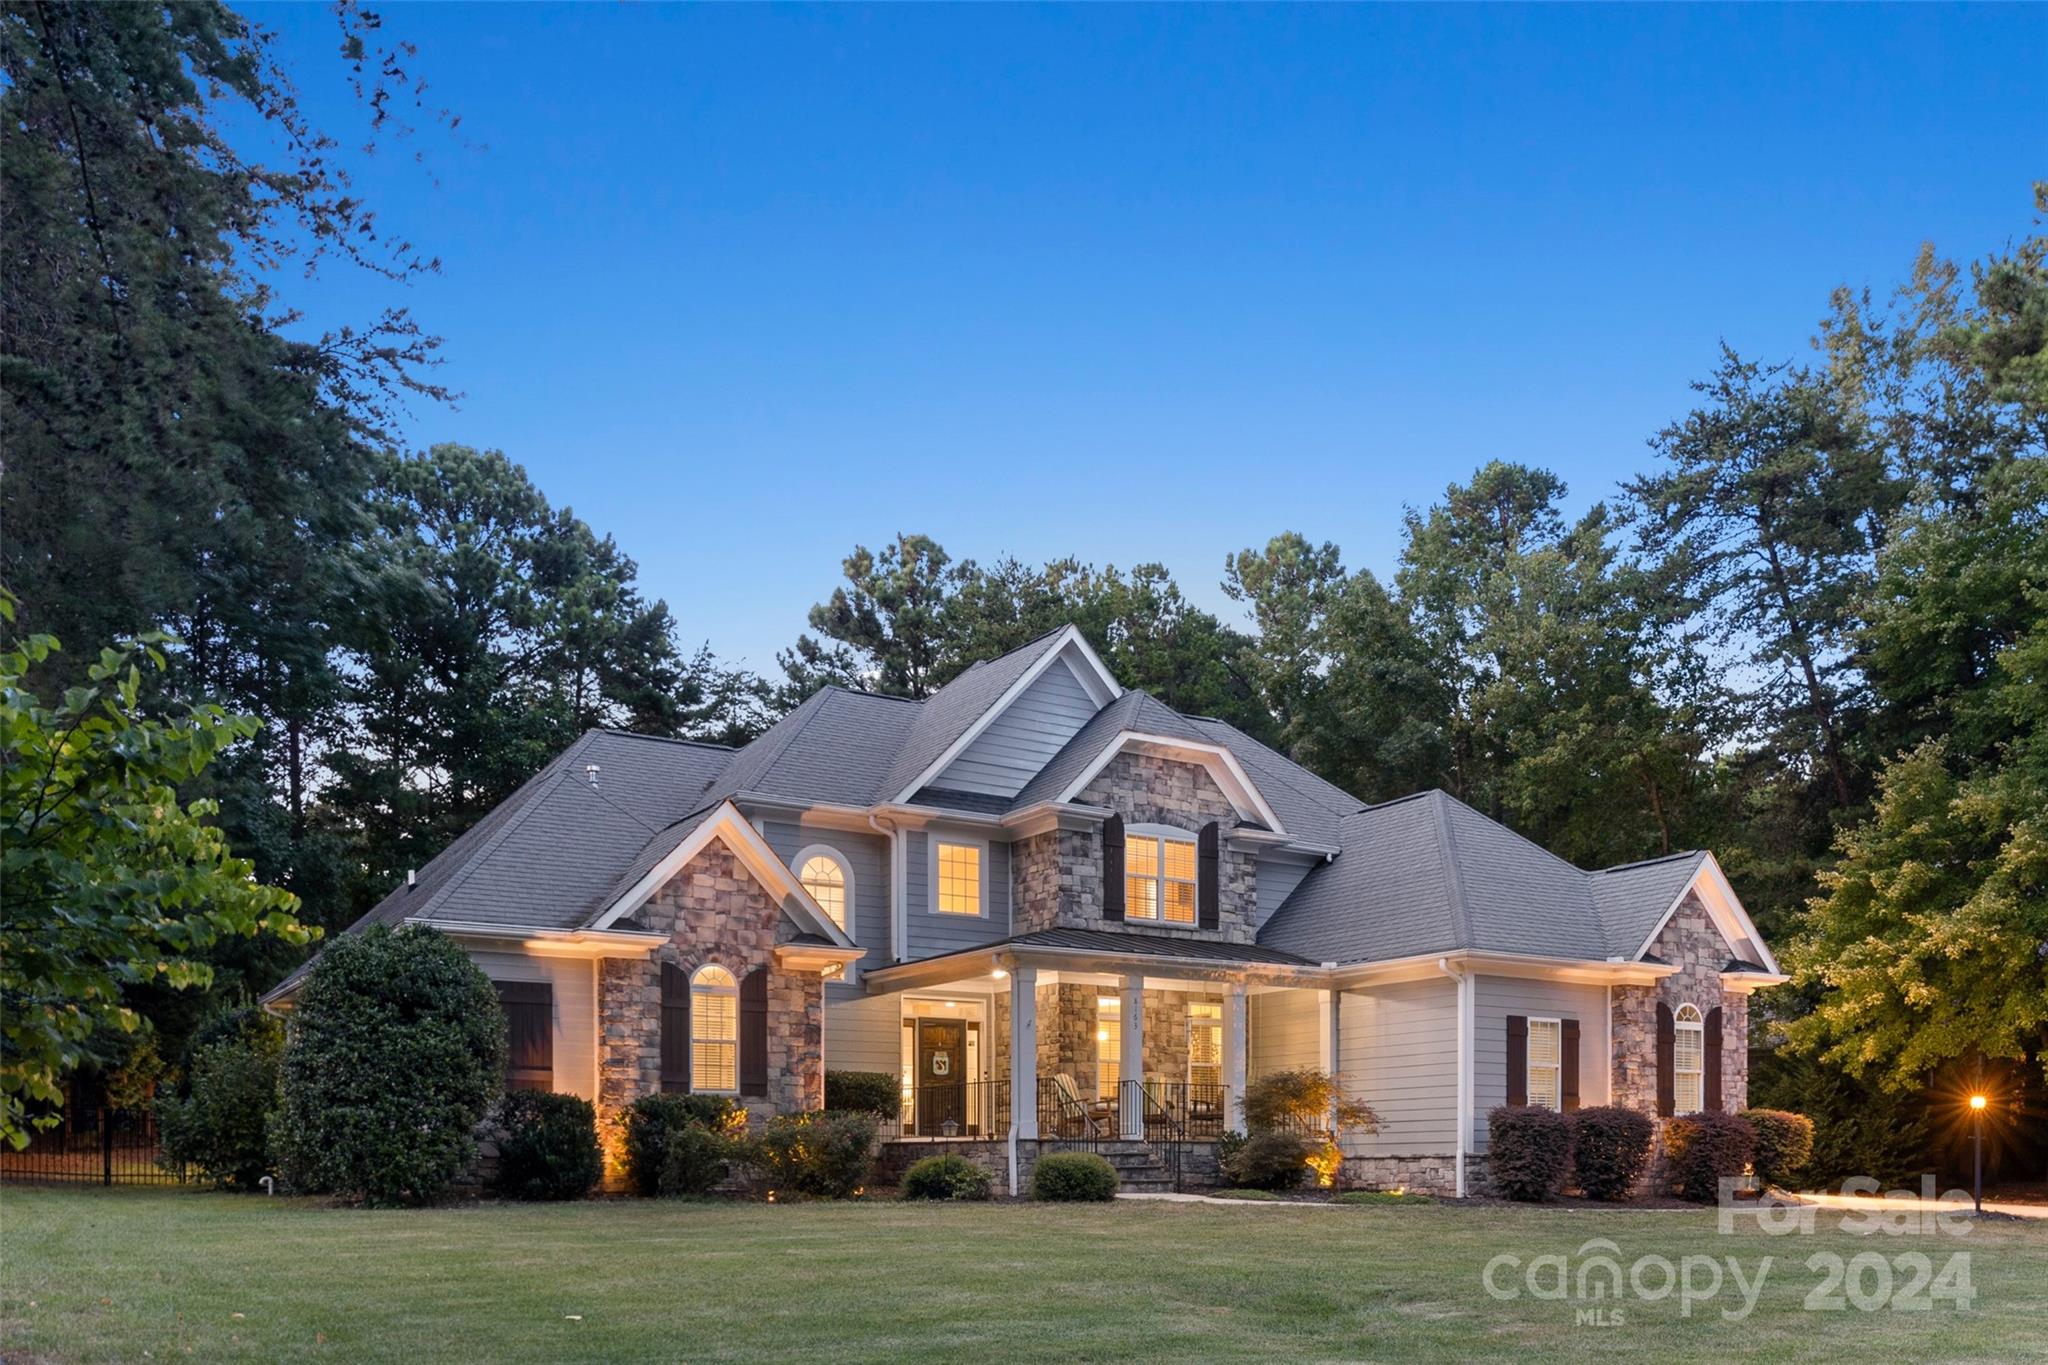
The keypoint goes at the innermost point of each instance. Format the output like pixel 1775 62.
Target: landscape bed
pixel 89 1275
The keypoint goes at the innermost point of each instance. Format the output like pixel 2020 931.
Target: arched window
pixel 714 1031
pixel 825 873
pixel 1688 1060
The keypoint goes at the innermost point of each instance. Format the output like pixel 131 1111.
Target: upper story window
pixel 1546 1059
pixel 825 874
pixel 1159 875
pixel 714 1030
pixel 1688 1060
pixel 958 878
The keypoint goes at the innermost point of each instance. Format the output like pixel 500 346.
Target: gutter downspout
pixel 1464 980
pixel 890 828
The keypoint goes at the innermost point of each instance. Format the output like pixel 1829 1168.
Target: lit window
pixel 1159 879
pixel 1109 1044
pixel 1545 1048
pixel 714 1030
pixel 1688 1058
pixel 1205 1043
pixel 824 876
pixel 959 879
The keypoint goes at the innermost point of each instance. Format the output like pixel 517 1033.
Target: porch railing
pixel 958 1109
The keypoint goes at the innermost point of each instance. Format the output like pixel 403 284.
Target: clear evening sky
pixel 744 286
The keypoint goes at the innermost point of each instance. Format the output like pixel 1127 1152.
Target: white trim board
pixel 1723 908
pixel 1221 764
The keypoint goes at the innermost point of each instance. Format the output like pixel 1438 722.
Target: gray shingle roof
pixel 951 711
pixel 1429 874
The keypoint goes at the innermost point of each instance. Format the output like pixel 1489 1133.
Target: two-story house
pixel 1059 910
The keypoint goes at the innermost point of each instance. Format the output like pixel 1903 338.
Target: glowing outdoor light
pixel 1977 1104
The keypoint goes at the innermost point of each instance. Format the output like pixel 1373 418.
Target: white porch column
pixel 1326 1043
pixel 1024 1052
pixel 1234 1046
pixel 1131 1057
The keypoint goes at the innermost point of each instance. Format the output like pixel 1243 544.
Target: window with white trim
pixel 956 877
pixel 1205 1043
pixel 1688 1060
pixel 1545 1053
pixel 825 875
pixel 1109 1044
pixel 1159 876
pixel 714 1030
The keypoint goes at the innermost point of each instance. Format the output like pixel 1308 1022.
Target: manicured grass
pixel 117 1274
pixel 1381 1197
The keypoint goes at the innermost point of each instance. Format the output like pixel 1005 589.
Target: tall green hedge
pixel 396 1050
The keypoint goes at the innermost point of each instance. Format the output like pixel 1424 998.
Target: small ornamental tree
pixel 396 1051
pixel 1304 1101
pixel 110 880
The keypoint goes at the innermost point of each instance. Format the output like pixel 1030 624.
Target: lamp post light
pixel 1977 1141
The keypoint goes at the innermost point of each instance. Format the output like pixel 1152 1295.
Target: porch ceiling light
pixel 999 973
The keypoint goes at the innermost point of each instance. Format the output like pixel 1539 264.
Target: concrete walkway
pixel 1865 1202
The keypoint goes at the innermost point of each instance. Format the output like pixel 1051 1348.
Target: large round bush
pixel 548 1149
pixel 1073 1177
pixel 1528 1150
pixel 697 1160
pixel 946 1177
pixel 653 1123
pixel 1702 1149
pixel 1784 1143
pixel 824 1154
pixel 396 1051
pixel 217 1120
pixel 1610 1148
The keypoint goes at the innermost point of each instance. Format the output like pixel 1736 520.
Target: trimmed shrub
pixel 946 1177
pixel 823 1154
pixel 695 1160
pixel 549 1148
pixel 1269 1161
pixel 652 1122
pixel 1073 1177
pixel 1784 1143
pixel 395 1051
pixel 1529 1149
pixel 864 1092
pixel 1610 1149
pixel 217 1122
pixel 1702 1148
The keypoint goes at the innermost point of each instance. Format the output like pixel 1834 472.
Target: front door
pixel 941 1076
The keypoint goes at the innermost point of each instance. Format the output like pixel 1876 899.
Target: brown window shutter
pixel 1667 1061
pixel 1113 867
pixel 1710 1064
pixel 529 1034
pixel 754 1032
pixel 1518 1059
pixel 1208 876
pixel 675 1030
pixel 1568 1067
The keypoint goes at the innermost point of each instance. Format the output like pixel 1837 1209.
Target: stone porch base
pixel 1432 1173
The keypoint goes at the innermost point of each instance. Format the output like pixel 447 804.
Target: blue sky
pixel 745 286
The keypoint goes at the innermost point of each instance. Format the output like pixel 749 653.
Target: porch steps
pixel 1138 1168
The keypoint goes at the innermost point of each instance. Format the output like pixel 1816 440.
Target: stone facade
pixel 1068 1021
pixel 1428 1173
pixel 713 911
pixel 1691 943
pixel 1056 877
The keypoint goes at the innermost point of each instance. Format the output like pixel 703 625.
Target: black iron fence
pixel 92 1147
pixel 958 1109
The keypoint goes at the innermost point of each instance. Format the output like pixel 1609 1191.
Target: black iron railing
pixel 956 1109
pixel 1077 1117
pixel 92 1147
pixel 1177 1114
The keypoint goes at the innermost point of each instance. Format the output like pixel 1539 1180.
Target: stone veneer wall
pixel 1427 1173
pixel 1056 877
pixel 713 911
pixel 1067 1023
pixel 1691 943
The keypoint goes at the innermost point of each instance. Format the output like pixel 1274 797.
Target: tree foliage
pixel 112 882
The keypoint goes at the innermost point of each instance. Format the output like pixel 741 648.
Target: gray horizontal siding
pixel 862 1032
pixel 868 856
pixel 931 933
pixel 1024 738
pixel 1494 999
pixel 1283 1033
pixel 1397 1049
pixel 1277 879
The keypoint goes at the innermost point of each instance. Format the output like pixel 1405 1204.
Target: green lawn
pixel 117 1274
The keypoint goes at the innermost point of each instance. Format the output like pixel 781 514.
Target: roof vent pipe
pixel 590 771
pixel 411 879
